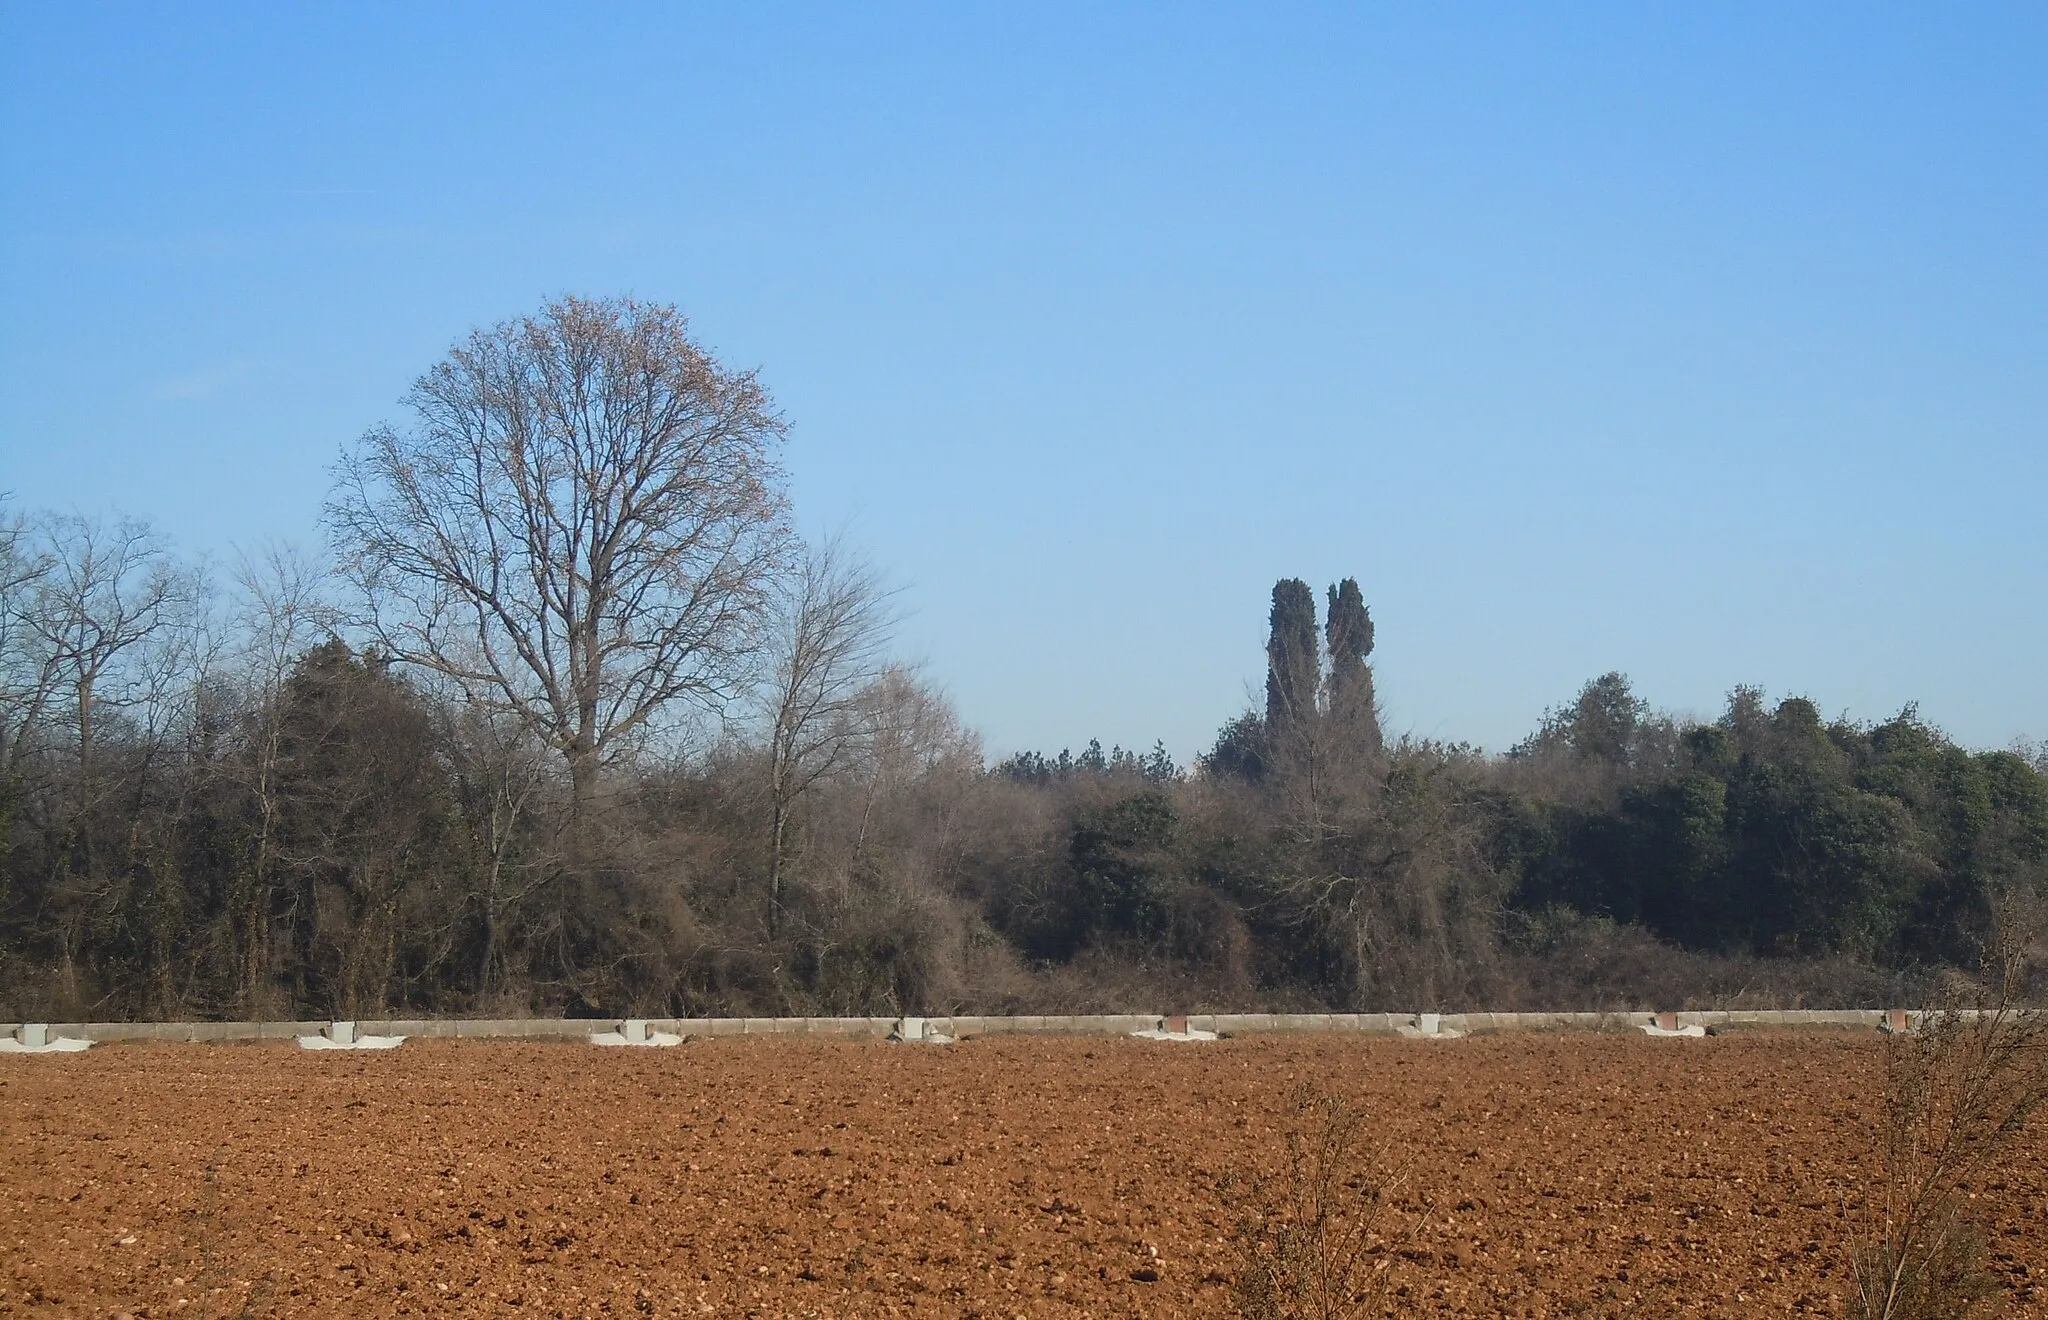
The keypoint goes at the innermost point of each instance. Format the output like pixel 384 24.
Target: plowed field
pixel 1000 1177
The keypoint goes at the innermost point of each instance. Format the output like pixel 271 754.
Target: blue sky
pixel 1706 343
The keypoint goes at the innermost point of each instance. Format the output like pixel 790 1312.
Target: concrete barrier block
pixel 112 1031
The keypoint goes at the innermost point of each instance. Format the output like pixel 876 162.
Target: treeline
pixel 571 724
pixel 213 813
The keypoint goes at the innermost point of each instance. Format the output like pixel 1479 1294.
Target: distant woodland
pixel 570 722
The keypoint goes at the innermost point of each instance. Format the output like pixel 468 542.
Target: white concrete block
pixel 1430 1026
pixel 343 1036
pixel 918 1031
pixel 1174 1028
pixel 35 1038
pixel 636 1033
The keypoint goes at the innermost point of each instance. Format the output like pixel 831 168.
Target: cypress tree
pixel 1293 665
pixel 1349 632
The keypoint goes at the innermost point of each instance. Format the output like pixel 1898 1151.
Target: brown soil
pixel 1012 1177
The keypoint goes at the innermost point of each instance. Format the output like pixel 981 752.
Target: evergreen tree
pixel 1348 629
pixel 1293 664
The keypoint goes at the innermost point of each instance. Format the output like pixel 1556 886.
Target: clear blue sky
pixel 1708 343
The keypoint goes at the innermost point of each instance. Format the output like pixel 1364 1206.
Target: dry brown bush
pixel 1320 1238
pixel 1957 1090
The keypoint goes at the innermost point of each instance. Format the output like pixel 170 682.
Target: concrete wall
pixel 874 1028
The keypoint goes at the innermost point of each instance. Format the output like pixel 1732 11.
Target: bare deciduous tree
pixel 580 526
pixel 834 619
pixel 281 610
pixel 498 772
pixel 28 668
pixel 110 592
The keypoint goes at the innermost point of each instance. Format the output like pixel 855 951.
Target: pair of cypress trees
pixel 1303 704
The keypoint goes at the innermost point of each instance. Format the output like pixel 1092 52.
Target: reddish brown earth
pixel 1001 1177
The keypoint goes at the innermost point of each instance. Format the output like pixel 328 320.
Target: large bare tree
pixel 580 524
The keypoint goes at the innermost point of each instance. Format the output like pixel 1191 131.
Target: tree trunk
pixel 778 826
pixel 582 801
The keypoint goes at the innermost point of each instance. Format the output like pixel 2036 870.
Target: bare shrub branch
pixel 1318 1240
